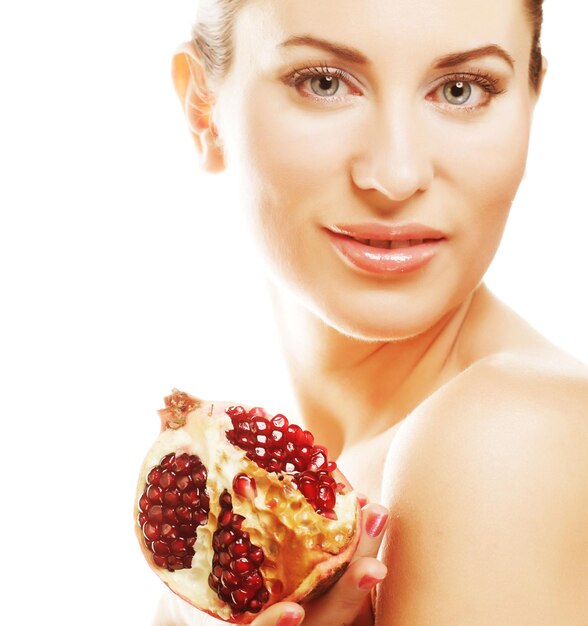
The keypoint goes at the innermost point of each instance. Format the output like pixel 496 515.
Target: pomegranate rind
pixel 305 553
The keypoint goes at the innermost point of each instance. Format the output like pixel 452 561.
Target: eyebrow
pixel 355 56
pixel 344 52
pixel 451 60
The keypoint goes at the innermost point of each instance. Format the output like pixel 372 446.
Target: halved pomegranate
pixel 237 509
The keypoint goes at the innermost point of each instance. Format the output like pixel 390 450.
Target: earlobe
pixel 197 100
pixel 543 71
pixel 541 76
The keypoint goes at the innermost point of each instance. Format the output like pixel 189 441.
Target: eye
pixel 322 84
pixel 457 92
pixel 465 92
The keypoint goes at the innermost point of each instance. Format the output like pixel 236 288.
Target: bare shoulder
pixel 506 407
pixel 488 488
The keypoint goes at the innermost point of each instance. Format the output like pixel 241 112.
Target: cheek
pixel 291 165
pixel 484 166
pixel 290 148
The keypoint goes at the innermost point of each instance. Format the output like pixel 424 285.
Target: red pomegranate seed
pixel 245 486
pixel 279 421
pixel 179 547
pixel 242 566
pixel 235 575
pixel 277 435
pixel 256 556
pixel 241 598
pixel 309 490
pixel 168 460
pixel 238 548
pixel 183 513
pixel 187 530
pixel 161 548
pixel 151 532
pixel 153 477
pixel 280 447
pixel 229 579
pixel 169 532
pixel 155 514
pixel 236 411
pixel 317 460
pixel 171 498
pixel 225 518
pixel 201 516
pixel 181 463
pixel 255 606
pixel 243 425
pixel 170 515
pixel 191 497
pixel 253 581
pixel 143 503
pixel 199 477
pixel 226 536
pixel 166 479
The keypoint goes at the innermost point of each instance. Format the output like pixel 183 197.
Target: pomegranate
pixel 237 509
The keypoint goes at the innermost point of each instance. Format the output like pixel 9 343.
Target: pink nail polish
pixel 375 525
pixel 290 618
pixel 367 582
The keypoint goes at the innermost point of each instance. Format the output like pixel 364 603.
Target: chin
pixel 378 322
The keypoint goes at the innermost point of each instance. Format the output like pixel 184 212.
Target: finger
pixel 374 520
pixel 346 599
pixel 280 614
pixel 362 499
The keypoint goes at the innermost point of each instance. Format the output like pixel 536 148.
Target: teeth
pixel 387 244
pixel 378 243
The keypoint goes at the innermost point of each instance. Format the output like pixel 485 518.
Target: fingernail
pixel 367 582
pixel 374 525
pixel 290 618
pixel 362 499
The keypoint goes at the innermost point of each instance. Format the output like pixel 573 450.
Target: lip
pixel 393 232
pixel 385 261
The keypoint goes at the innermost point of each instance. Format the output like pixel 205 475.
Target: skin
pixel 476 424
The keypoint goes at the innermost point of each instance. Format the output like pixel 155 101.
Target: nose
pixel 394 158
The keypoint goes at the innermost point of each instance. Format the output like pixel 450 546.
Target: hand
pixel 349 599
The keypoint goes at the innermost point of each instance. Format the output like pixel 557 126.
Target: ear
pixel 543 72
pixel 541 78
pixel 197 100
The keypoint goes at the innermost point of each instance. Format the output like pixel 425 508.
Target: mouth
pixel 392 244
pixel 386 250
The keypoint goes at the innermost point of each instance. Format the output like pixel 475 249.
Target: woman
pixel 379 146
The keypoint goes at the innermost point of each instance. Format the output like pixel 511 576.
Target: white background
pixel 114 289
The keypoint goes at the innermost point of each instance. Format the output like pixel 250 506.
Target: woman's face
pixel 421 130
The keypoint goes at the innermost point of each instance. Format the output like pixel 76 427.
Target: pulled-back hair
pixel 212 35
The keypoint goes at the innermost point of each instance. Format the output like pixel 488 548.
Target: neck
pixel 347 389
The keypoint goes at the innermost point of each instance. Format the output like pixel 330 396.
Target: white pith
pixel 294 538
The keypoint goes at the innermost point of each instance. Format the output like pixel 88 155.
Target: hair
pixel 212 36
